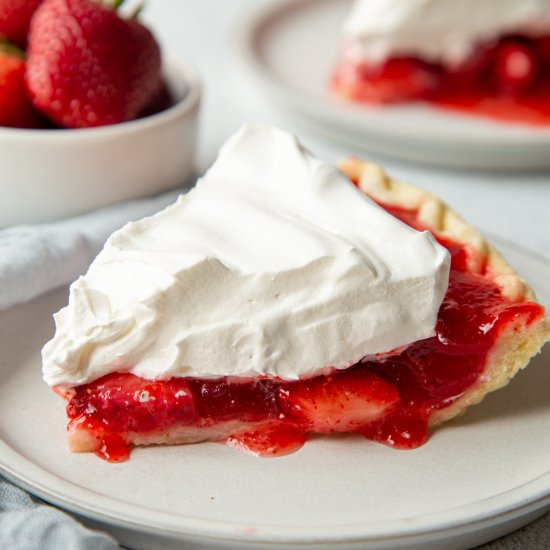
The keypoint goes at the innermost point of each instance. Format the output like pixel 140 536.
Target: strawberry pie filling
pixel 508 79
pixel 388 398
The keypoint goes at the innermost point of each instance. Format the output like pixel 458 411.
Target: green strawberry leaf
pixel 9 48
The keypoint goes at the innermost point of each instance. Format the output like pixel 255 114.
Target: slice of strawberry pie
pixel 488 58
pixel 277 300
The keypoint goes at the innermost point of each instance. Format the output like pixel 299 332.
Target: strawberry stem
pixel 11 49
pixel 112 4
pixel 115 4
pixel 138 9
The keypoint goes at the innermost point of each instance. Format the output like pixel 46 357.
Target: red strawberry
pixel 15 107
pixel 343 402
pixel 145 404
pixel 516 65
pixel 89 67
pixel 474 68
pixel 542 46
pixel 398 79
pixel 15 18
pixel 161 101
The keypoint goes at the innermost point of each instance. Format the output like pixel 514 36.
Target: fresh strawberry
pixel 89 67
pixel 342 402
pixel 398 79
pixel 15 107
pixel 161 101
pixel 15 18
pixel 516 65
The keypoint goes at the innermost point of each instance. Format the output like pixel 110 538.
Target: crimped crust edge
pixel 518 344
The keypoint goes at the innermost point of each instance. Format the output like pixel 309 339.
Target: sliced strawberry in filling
pixel 395 80
pixel 345 402
pixel 507 79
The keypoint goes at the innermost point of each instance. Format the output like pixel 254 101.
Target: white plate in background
pixel 289 49
pixel 477 478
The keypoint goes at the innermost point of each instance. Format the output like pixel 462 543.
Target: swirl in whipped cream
pixel 275 264
pixel 444 31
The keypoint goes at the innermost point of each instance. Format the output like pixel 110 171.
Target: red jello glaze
pixel 126 403
pixel 107 445
pixel 508 80
pixel 249 400
pixel 389 400
pixel 398 79
pixel 273 439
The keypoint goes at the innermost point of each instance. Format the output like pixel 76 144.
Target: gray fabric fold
pixel 27 524
pixel 38 258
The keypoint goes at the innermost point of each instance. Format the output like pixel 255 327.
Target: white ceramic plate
pixel 289 48
pixel 477 478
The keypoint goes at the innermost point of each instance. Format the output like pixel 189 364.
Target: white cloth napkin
pixel 38 258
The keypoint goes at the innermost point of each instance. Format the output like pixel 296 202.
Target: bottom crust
pixel 82 440
pixel 513 352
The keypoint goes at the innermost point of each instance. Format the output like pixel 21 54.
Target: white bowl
pixel 53 174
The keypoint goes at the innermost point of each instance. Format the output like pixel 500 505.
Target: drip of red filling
pixel 508 79
pixel 389 399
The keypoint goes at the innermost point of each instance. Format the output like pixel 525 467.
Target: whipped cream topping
pixel 444 31
pixel 274 264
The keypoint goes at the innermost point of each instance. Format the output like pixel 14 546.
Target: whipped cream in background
pixel 437 30
pixel 275 264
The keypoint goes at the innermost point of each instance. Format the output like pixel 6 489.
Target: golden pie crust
pixel 518 343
